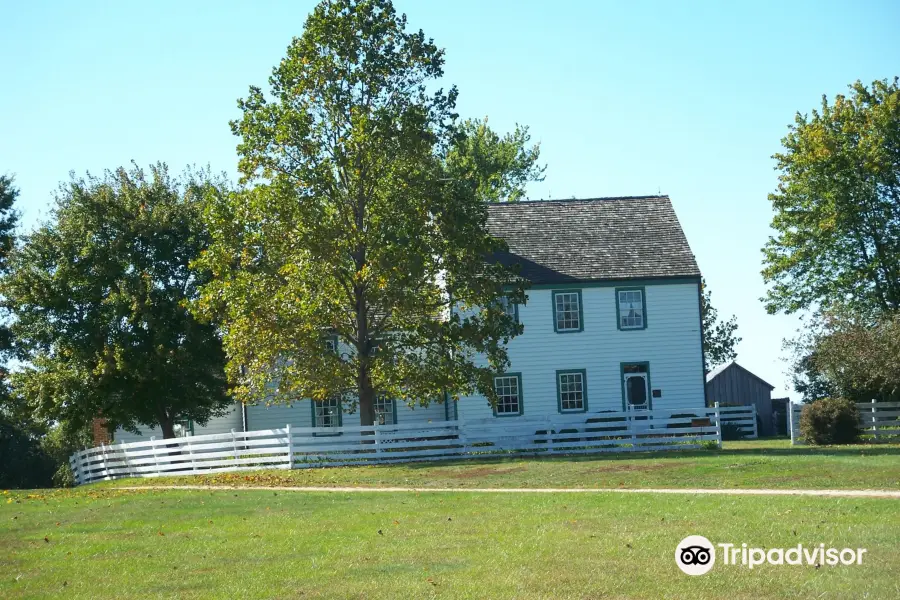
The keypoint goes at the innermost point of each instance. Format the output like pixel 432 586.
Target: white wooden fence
pixel 303 447
pixel 742 417
pixel 879 420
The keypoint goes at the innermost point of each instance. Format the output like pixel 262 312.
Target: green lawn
pixel 745 464
pixel 102 541
pixel 96 543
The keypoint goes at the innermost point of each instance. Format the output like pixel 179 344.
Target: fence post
pixel 549 435
pixel 290 451
pixel 874 421
pixel 103 458
pixel 155 459
pixel 630 418
pixel 719 424
pixel 84 473
pixel 191 454
pixel 790 411
pixel 124 452
pixel 461 435
pixel 377 441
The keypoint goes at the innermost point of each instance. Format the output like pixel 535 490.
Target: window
pixel 510 308
pixel 630 308
pixel 327 413
pixel 183 428
pixel 567 313
pixel 571 390
pixel 509 395
pixel 331 343
pixel 385 411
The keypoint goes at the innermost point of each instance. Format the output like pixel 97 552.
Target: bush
pixel 829 421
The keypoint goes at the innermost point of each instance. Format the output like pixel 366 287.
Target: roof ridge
pixel 597 199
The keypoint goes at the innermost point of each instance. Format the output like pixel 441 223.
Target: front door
pixel 636 391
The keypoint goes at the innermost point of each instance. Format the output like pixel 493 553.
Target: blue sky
pixel 687 99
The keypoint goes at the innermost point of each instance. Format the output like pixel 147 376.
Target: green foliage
pixel 59 443
pixel 100 295
pixel 829 421
pixel 862 357
pixel 719 338
pixel 811 383
pixel 837 207
pixel 500 166
pixel 366 222
pixel 8 220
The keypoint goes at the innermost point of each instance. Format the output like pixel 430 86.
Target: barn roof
pixel 597 239
pixel 722 368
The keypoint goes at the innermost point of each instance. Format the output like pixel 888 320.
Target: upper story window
pixel 510 308
pixel 331 343
pixel 509 392
pixel 568 315
pixel 631 309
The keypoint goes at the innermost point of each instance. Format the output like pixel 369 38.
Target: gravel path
pixel 726 492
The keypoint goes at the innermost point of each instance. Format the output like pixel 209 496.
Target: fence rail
pixel 880 420
pixel 305 447
pixel 742 417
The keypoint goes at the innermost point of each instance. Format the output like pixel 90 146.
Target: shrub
pixel 829 421
pixel 732 432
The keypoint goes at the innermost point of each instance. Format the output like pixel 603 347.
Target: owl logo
pixel 695 555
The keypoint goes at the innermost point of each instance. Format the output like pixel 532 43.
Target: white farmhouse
pixel 612 322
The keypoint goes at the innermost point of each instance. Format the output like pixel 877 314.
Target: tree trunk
pixel 167 425
pixel 366 397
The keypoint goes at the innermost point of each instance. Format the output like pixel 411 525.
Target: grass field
pixel 256 544
pixel 745 464
pixel 101 541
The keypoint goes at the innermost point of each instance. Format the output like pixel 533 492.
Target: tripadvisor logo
pixel 696 555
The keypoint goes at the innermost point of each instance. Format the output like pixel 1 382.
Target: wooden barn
pixel 733 385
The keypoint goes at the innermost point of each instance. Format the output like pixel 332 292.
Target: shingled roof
pixel 567 241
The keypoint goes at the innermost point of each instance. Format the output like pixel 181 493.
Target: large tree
pixel 100 296
pixel 837 207
pixel 365 222
pixel 719 337
pixel 8 219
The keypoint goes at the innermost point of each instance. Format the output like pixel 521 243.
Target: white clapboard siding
pixel 299 414
pixel 670 344
pixel 233 419
pixel 878 420
pixel 292 447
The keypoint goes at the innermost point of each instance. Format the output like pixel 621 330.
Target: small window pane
pixel 571 391
pixel 509 398
pixel 568 315
pixel 631 309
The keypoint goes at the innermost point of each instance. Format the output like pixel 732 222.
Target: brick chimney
pixel 100 431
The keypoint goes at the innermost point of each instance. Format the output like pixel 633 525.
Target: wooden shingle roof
pixel 567 241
